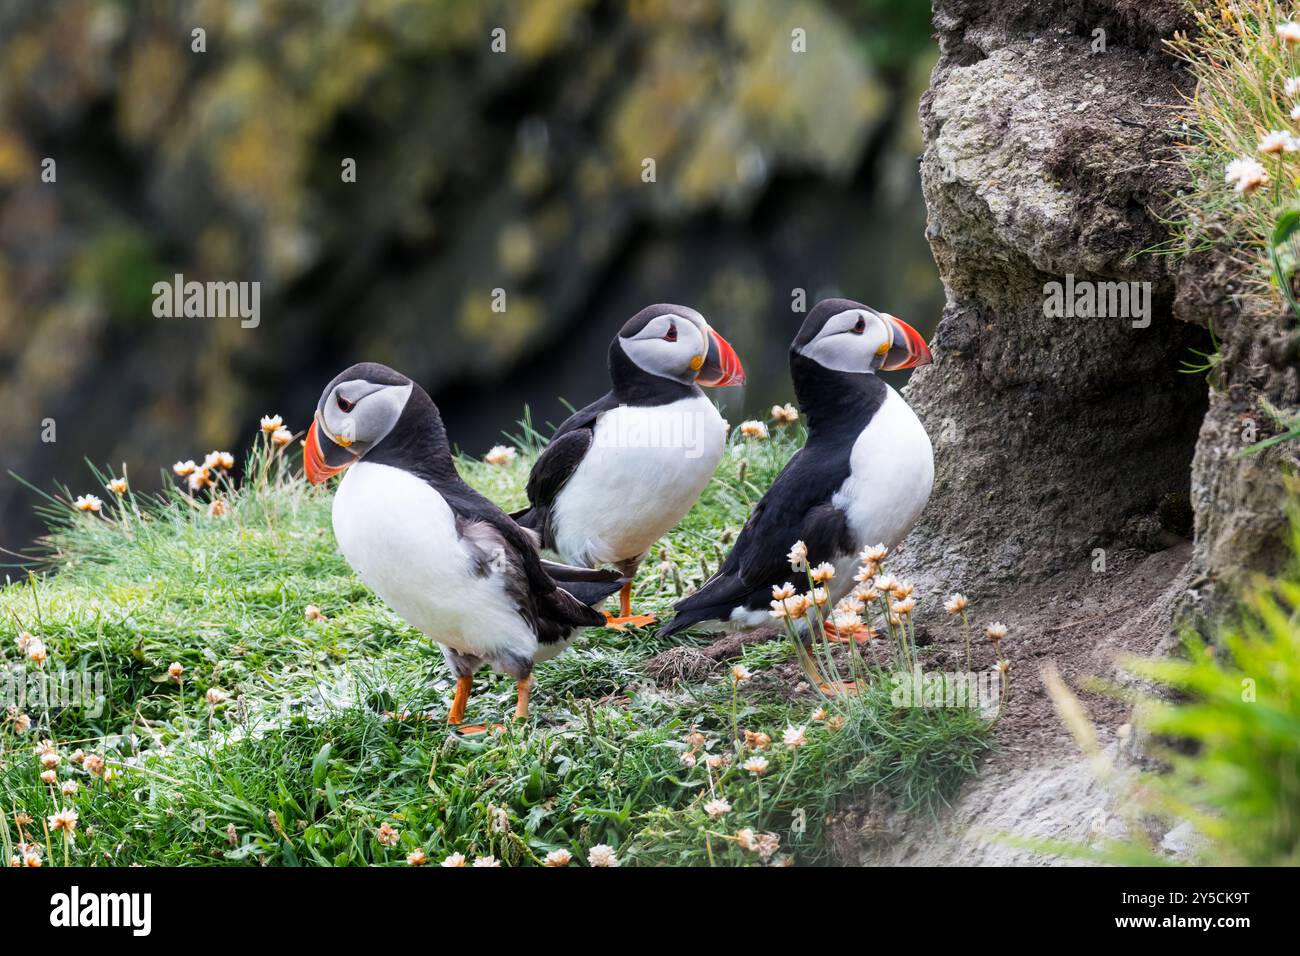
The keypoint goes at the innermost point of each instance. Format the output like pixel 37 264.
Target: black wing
pixel 588 585
pixel 503 545
pixel 556 465
pixel 796 508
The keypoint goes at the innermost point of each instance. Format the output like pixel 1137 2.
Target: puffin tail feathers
pixel 579 590
pixel 570 573
pixel 588 585
pixel 530 518
pixel 562 607
pixel 591 593
pixel 688 618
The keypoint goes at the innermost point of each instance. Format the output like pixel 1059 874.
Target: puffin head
pixel 847 336
pixel 674 342
pixel 355 413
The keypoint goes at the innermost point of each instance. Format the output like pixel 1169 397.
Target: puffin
pixel 620 473
pixel 862 478
pixel 445 558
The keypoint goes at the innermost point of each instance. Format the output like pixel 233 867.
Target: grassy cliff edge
pixel 307 723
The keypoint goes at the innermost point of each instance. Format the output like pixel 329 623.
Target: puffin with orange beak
pixel 862 478
pixel 444 557
pixel 623 471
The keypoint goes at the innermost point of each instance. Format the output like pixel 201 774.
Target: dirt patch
pixel 1036 784
pixel 1084 623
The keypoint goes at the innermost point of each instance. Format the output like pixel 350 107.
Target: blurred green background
pixel 776 170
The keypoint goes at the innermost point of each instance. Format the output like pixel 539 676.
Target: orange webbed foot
pixel 859 635
pixel 623 622
pixel 840 688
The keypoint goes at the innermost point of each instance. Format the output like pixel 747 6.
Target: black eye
pixel 671 334
pixel 861 325
pixel 344 404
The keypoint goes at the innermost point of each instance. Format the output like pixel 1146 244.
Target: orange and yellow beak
pixel 721 365
pixel 909 349
pixel 314 457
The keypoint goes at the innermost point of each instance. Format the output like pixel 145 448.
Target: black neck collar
pixel 418 443
pixel 834 403
pixel 633 385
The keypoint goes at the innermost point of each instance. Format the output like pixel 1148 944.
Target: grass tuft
pixel 1241 65
pixel 334 721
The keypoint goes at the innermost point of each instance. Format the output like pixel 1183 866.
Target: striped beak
pixel 323 462
pixel 908 349
pixel 721 365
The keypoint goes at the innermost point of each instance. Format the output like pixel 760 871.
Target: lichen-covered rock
pixel 1059 440
pixel 1053 432
pixel 1240 498
pixel 520 169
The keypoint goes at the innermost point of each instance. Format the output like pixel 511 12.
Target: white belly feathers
pixel 400 537
pixel 644 470
pixel 891 474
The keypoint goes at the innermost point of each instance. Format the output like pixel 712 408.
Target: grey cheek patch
pixel 375 415
pixel 395 399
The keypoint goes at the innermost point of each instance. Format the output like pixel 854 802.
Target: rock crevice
pixel 1046 167
pixel 1067 446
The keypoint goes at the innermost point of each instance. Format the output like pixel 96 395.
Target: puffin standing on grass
pixel 445 558
pixel 623 471
pixel 862 478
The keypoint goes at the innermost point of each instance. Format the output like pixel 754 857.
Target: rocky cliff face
pixel 1050 158
pixel 1046 158
pixel 1240 501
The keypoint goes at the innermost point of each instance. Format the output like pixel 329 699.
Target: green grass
pixel 336 726
pixel 1241 67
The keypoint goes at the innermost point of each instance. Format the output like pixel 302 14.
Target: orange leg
pixel 457 712
pixel 840 688
pixel 829 688
pixel 861 635
pixel 524 688
pixel 626 617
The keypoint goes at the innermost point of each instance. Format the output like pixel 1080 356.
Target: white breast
pixel 891 473
pixel 645 469
pixel 400 537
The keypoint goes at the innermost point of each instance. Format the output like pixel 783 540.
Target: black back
pixel 418 444
pixel 837 406
pixel 630 385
